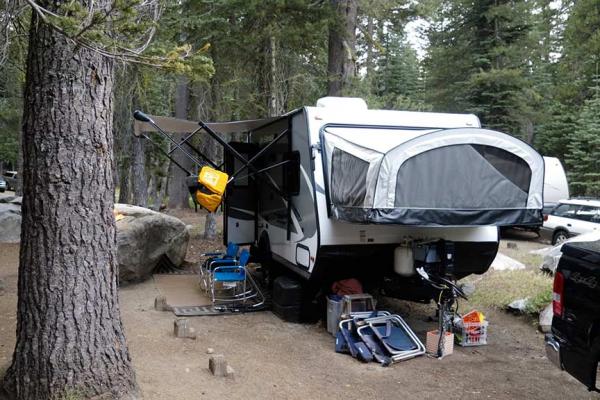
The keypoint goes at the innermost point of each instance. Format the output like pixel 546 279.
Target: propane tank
pixel 403 261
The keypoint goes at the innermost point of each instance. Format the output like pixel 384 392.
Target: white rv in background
pixel 556 187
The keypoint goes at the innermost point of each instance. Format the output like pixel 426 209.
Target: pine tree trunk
pixel 124 192
pixel 162 181
pixel 122 128
pixel 178 191
pixel 370 39
pixel 341 67
pixel 70 339
pixel 210 223
pixel 138 173
pixel 19 180
pixel 275 84
pixel 205 95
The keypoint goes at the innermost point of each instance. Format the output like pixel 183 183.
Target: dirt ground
pixel 277 360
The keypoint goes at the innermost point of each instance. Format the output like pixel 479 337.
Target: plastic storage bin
pixel 471 333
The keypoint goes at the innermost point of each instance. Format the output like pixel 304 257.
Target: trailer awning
pixel 177 125
pixel 450 177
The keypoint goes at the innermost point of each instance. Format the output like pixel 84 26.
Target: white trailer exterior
pixel 322 237
pixel 556 187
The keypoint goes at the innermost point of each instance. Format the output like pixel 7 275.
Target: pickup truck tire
pixel 559 237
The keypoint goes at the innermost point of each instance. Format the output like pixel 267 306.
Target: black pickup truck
pixel 574 344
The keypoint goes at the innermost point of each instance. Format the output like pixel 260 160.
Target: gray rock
pixel 182 329
pixel 10 219
pixel 503 263
pixel 229 372
pixel 519 305
pixel 218 365
pixel 160 304
pixel 7 199
pixel 10 207
pixel 546 319
pixel 10 224
pixel 134 211
pixel 511 245
pixel 2 287
pixel 143 237
pixel 468 288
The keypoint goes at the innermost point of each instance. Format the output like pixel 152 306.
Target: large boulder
pixel 11 199
pixel 143 237
pixel 10 220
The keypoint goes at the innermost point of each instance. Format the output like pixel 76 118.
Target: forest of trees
pixel 72 72
pixel 526 67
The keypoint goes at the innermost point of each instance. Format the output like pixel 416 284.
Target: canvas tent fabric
pixel 458 177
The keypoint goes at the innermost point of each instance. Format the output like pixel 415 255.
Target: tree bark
pixel 210 223
pixel 123 135
pixel 138 173
pixel 161 181
pixel 203 106
pixel 124 192
pixel 369 42
pixel 19 180
pixel 341 63
pixel 275 84
pixel 70 339
pixel 178 191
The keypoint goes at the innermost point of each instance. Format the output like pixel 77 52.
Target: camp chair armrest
pixel 222 262
pixel 227 268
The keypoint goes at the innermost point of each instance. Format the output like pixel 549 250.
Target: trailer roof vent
pixel 345 103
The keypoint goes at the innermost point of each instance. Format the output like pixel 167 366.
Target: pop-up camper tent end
pixel 430 177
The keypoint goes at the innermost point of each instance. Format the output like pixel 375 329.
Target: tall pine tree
pixel 583 157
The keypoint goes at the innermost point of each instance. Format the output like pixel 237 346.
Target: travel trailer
pixel 556 187
pixel 338 190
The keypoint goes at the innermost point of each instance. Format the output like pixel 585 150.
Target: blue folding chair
pixel 215 259
pixel 232 284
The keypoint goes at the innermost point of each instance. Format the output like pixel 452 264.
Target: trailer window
pixel 511 166
pixel 348 179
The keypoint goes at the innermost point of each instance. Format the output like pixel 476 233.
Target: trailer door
pixel 240 202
